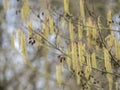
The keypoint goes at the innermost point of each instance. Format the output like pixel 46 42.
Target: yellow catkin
pixel 6 5
pixel 23 47
pixel 71 33
pixel 30 25
pixel 66 6
pixel 99 23
pixel 25 10
pixel 110 81
pixel 75 61
pixel 94 63
pixel 110 40
pixel 78 79
pixel 88 60
pixel 51 23
pixel 82 11
pixel 88 67
pixel 116 84
pixel 107 60
pixel 75 58
pixel 87 71
pixel 12 41
pixel 73 53
pixel 108 67
pixel 94 36
pixel 109 18
pixel 58 75
pixel 79 32
pixel 117 49
pixel 68 59
pixel 89 31
pixel 77 67
pixel 81 50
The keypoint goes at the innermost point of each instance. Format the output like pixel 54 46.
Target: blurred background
pixel 14 74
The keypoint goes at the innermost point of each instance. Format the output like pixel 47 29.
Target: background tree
pixel 59 44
